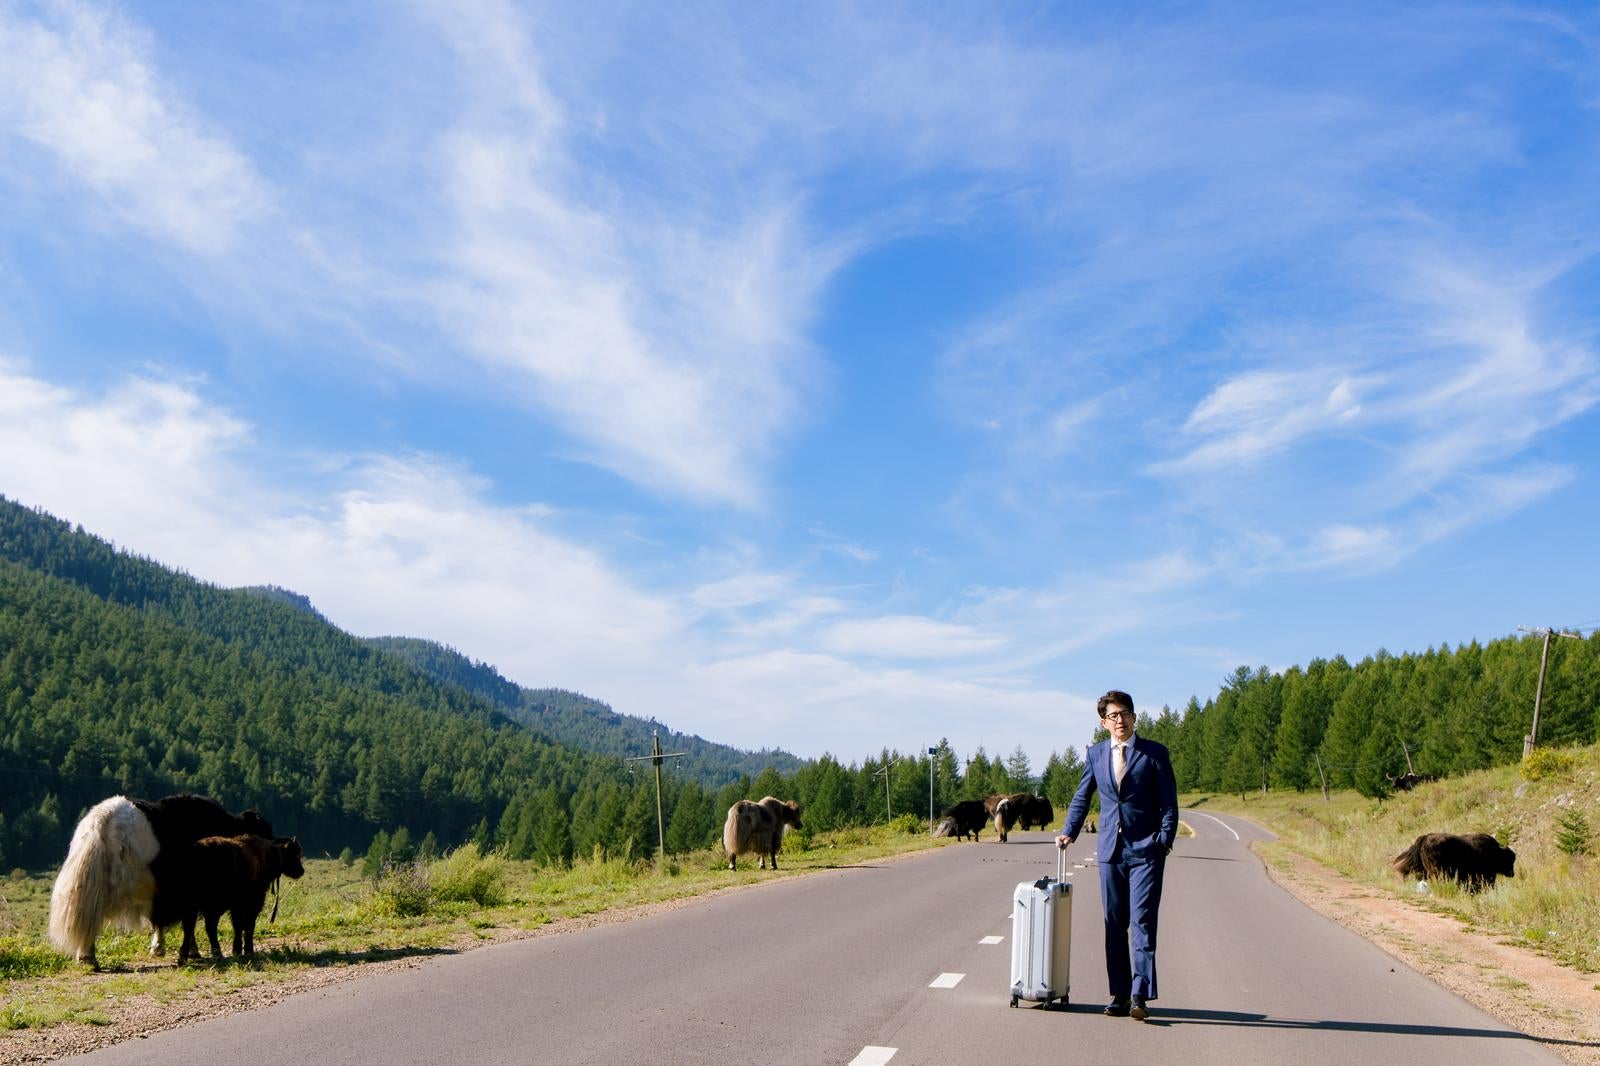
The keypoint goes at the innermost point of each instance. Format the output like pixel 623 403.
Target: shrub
pixel 403 889
pixel 852 837
pixel 909 824
pixel 347 857
pixel 1546 762
pixel 1575 837
pixel 465 876
pixel 796 840
pixel 377 855
pixel 400 847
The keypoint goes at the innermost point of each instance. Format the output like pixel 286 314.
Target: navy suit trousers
pixel 1130 896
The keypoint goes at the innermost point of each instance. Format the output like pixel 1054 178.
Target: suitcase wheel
pixel 1013 1001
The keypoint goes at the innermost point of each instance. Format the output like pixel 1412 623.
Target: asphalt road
pixel 844 966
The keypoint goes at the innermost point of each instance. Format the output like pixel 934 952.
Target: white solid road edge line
pixel 946 980
pixel 991 940
pixel 873 1056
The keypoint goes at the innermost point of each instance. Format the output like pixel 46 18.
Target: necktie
pixel 1119 762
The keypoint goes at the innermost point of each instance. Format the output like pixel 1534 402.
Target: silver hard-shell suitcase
pixel 1041 937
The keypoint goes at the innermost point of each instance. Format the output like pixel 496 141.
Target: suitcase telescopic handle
pixel 1061 863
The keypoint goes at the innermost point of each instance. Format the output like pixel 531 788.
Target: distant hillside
pixel 120 675
pixel 581 722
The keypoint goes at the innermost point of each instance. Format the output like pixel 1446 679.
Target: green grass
pixel 1553 903
pixel 333 917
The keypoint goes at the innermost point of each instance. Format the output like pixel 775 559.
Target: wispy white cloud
pixel 908 637
pixel 668 340
pixel 1260 413
pixel 834 544
pixel 742 590
pixel 831 696
pixel 79 84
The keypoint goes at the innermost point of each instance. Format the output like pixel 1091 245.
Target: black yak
pixel 223 874
pixel 114 865
pixel 758 828
pixel 1037 812
pixel 1019 808
pixel 968 816
pixel 1474 860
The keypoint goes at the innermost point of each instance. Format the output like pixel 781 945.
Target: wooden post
pixel 1320 773
pixel 1531 741
pixel 656 756
pixel 1538 693
pixel 661 821
pixel 1412 770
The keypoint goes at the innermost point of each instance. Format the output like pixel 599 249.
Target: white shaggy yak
pixel 106 879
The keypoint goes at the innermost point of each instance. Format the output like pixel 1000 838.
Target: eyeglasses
pixel 1117 714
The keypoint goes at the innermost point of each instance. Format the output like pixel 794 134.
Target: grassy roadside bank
pixel 334 917
pixel 1553 903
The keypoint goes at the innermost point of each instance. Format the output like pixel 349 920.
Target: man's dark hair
pixel 1121 699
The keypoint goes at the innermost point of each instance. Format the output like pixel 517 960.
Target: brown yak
pixel 757 828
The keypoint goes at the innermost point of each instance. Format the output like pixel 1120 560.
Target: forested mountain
pixel 118 675
pixel 581 722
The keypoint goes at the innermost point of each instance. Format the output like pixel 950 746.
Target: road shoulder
pixel 1558 1006
pixel 135 1016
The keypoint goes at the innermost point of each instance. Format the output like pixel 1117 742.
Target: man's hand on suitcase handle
pixel 1063 841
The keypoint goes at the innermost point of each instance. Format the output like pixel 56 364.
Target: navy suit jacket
pixel 1139 822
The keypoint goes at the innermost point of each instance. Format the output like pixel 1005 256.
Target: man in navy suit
pixel 1138 825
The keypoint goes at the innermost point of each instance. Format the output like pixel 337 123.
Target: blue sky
pixel 831 378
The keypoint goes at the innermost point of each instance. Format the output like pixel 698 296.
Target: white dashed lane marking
pixel 947 980
pixel 873 1056
pixel 991 940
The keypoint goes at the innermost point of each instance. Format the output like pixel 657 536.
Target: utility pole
pixel 931 753
pixel 1530 741
pixel 1412 770
pixel 655 757
pixel 1322 774
pixel 887 802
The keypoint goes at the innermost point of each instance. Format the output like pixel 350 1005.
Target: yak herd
pixel 1006 812
pixel 157 863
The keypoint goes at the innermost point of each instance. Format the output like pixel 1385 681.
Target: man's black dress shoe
pixel 1117 1008
pixel 1137 1012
